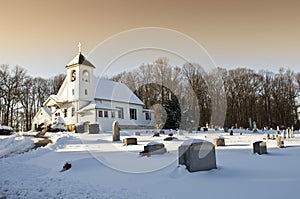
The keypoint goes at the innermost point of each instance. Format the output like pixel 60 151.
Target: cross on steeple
pixel 79 47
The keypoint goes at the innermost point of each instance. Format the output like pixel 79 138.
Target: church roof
pixel 80 59
pixel 96 105
pixel 46 110
pixel 115 91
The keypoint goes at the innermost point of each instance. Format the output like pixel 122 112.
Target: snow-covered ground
pixel 10 145
pixel 105 169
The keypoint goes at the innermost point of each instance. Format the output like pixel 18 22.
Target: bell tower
pixel 80 79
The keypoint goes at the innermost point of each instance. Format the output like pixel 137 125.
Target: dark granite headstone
pixel 137 134
pixel 94 128
pixel 153 148
pixel 156 134
pixel 260 147
pixel 197 155
pixel 79 128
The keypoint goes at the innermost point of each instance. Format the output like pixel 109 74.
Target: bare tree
pixel 196 77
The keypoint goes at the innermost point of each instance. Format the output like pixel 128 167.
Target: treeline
pixel 183 97
pixel 21 95
pixel 189 96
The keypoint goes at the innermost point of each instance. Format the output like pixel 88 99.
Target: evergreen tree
pixel 173 110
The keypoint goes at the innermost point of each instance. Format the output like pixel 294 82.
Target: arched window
pixel 85 76
pixel 73 75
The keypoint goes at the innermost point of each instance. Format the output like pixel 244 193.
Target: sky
pixel 42 36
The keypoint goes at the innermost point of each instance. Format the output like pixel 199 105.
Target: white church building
pixel 85 98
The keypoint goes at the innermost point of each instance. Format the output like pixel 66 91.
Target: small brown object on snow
pixel 67 166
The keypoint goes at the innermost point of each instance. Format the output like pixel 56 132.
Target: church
pixel 85 98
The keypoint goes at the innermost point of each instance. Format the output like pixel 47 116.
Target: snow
pixel 3 127
pixel 14 144
pixel 153 143
pixel 105 169
pixel 110 90
pixel 57 98
pixel 192 141
pixel 96 105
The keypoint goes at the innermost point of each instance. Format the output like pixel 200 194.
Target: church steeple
pixel 79 59
pixel 80 78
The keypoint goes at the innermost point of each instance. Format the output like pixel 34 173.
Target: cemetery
pixel 207 158
pixel 165 99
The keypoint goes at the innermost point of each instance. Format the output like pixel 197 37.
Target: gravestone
pixel 266 136
pixel 79 128
pixel 219 142
pixel 277 130
pixel 156 134
pixel 254 127
pixel 292 132
pixel 129 141
pixel 170 138
pixel 115 131
pixel 94 128
pixel 280 142
pixel 206 127
pixel 153 148
pixel 197 155
pixel 86 126
pixel 250 124
pixel 260 147
pixel 283 134
pixel 137 134
pixel 226 129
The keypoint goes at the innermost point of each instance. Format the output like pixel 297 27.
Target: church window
pixel 100 114
pixel 85 92
pixel 120 112
pixel 105 113
pixel 148 116
pixel 113 114
pixel 132 113
pixel 65 112
pixel 73 92
pixel 85 76
pixel 73 75
pixel 73 111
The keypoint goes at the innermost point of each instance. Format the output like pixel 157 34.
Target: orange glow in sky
pixel 42 36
